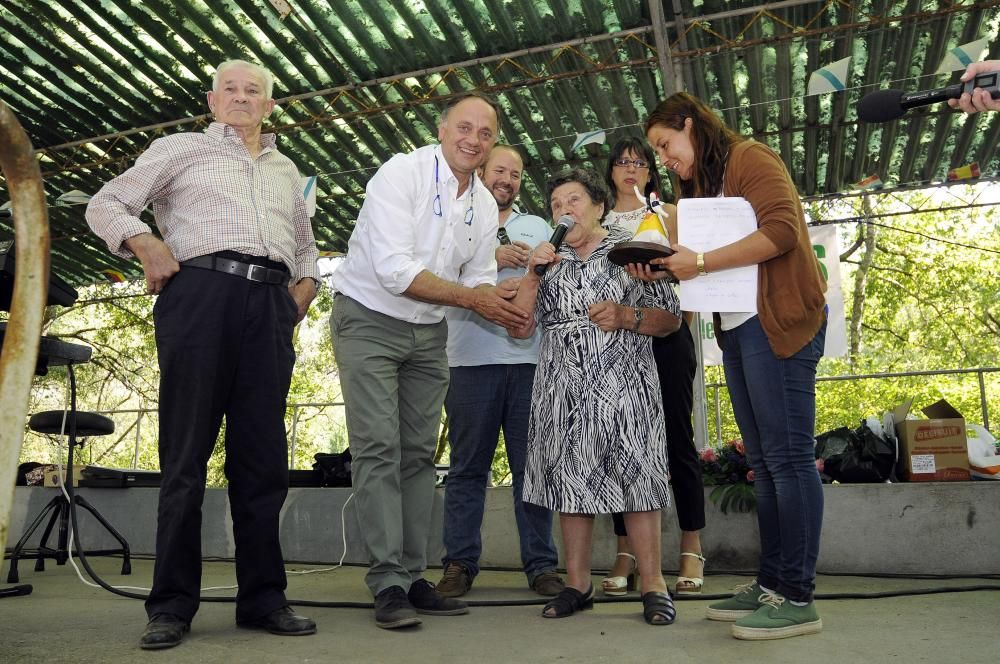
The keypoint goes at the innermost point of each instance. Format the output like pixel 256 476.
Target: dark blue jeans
pixel 482 400
pixel 774 401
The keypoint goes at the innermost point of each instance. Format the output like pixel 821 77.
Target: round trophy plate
pixel 640 252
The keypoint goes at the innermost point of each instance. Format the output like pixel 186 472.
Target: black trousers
pixel 225 350
pixel 676 364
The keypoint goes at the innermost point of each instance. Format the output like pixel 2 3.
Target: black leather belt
pixel 259 273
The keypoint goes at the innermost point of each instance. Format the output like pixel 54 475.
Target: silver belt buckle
pixel 252 272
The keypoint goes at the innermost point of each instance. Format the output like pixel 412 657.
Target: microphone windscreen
pixel 566 220
pixel 881 106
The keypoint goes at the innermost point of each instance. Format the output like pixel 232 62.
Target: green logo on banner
pixel 707 331
pixel 820 252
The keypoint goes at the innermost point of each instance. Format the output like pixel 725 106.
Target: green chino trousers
pixel 394 376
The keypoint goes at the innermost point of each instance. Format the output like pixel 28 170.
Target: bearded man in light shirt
pixel 423 242
pixel 490 390
pixel 235 271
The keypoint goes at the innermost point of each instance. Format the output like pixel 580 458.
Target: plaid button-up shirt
pixel 209 194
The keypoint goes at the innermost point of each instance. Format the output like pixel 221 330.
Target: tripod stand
pixel 58 509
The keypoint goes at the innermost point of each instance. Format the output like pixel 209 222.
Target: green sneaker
pixel 745 600
pixel 778 618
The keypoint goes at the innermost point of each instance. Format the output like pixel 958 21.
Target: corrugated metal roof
pixel 94 81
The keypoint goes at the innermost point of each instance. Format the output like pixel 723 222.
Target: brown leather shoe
pixel 455 582
pixel 548 584
pixel 283 622
pixel 165 630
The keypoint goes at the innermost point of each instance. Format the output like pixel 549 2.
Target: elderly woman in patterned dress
pixel 596 443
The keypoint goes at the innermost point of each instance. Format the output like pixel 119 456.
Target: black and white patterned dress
pixel 596 442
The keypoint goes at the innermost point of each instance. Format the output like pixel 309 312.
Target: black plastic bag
pixel 857 456
pixel 336 468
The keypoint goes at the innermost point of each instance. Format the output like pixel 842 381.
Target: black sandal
pixel 569 601
pixel 658 608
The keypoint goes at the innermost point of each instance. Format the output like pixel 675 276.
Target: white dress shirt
pixel 412 221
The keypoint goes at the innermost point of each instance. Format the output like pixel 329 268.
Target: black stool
pixel 84 424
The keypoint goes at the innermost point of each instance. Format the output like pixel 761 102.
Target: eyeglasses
pixel 470 213
pixel 638 163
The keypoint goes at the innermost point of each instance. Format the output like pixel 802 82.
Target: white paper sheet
pixel 704 224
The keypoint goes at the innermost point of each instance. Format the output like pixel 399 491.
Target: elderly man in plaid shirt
pixel 235 271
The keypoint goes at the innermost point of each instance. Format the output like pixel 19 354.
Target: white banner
pixel 827 247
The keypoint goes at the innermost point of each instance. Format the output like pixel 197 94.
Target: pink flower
pixel 750 476
pixel 708 455
pixel 738 444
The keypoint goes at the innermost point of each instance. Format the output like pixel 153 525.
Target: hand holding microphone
pixel 543 256
pixel 983 83
pixel 510 254
pixel 978 99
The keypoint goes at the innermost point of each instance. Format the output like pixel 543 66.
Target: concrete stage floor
pixel 66 621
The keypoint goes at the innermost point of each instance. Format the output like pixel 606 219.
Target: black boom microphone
pixel 886 105
pixel 562 227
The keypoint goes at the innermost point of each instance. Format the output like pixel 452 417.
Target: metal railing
pixel 979 372
pixel 295 410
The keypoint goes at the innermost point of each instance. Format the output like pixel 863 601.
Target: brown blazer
pixel 790 286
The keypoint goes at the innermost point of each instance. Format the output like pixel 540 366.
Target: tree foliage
pixel 922 293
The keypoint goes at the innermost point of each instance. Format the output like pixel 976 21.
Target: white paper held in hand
pixel 704 224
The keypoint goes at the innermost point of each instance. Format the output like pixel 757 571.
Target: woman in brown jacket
pixel 769 355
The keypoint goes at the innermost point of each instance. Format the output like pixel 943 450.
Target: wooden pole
pixel 31 284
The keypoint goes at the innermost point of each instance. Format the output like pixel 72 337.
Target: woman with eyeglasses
pixel 631 167
pixel 769 355
pixel 596 442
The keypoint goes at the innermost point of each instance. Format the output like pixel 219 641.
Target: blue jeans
pixel 481 400
pixel 774 401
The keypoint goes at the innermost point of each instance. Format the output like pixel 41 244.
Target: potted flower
pixel 726 468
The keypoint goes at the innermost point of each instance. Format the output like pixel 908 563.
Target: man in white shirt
pixel 423 242
pixel 490 389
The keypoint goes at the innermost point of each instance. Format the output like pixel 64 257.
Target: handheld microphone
pixel 886 105
pixel 562 227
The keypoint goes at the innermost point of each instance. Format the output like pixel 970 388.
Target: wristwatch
pixel 700 262
pixel 638 319
pixel 312 279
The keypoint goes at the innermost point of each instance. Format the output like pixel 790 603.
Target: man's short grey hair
pixel 475 94
pixel 264 74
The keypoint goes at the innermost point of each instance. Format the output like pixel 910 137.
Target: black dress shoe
pixel 165 630
pixel 426 599
pixel 283 622
pixel 393 610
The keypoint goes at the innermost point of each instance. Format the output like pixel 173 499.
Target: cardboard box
pixel 50 478
pixel 935 449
